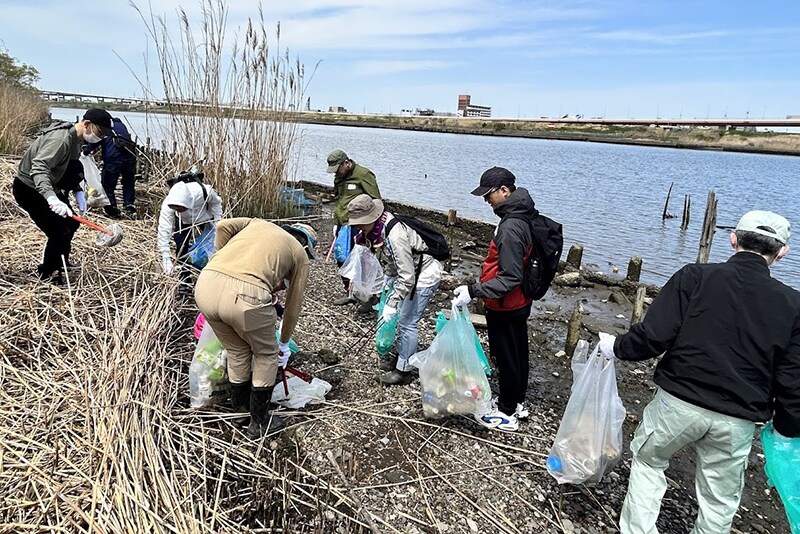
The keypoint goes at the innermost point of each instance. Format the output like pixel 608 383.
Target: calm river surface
pixel 608 197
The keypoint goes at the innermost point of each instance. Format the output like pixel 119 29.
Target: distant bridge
pixel 791 121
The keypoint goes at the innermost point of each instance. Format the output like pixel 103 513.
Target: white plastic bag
pixel 365 273
pixel 300 392
pixel 208 372
pixel 589 440
pixel 450 371
pixel 95 195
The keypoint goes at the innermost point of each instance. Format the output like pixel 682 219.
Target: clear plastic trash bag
pixel 365 273
pixel 782 466
pixel 208 372
pixel 589 440
pixel 450 371
pixel 95 194
pixel 300 392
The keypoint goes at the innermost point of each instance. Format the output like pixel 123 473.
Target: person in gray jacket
pixel 414 274
pixel 40 183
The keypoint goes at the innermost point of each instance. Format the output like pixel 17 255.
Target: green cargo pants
pixel 722 444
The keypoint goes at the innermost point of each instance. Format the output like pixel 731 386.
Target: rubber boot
pixel 240 399
pixel 262 423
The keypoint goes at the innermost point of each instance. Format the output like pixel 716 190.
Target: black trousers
pixel 508 347
pixel 59 230
pixel 112 171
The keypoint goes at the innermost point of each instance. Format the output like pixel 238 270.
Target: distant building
pixel 467 109
pixel 425 112
pixel 337 109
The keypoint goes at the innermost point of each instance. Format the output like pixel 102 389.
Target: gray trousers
pixel 722 444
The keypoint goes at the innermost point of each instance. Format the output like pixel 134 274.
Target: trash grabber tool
pixel 299 374
pixel 108 237
pixel 285 385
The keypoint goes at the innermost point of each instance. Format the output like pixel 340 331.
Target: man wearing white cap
pixel 730 335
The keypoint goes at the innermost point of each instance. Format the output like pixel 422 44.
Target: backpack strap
pixel 418 270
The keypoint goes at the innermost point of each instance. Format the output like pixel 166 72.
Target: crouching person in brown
pixel 236 292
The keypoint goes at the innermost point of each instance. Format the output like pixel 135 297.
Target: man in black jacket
pixel 500 287
pixel 730 334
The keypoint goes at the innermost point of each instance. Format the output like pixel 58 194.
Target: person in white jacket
pixel 186 211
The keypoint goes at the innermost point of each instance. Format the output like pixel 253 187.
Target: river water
pixel 608 197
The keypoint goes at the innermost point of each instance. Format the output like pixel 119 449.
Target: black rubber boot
pixel 396 378
pixel 240 397
pixel 388 362
pixel 262 423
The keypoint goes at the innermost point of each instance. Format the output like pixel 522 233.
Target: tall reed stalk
pixel 228 103
pixel 21 111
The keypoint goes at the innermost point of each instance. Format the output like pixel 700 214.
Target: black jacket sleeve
pixel 786 387
pixel 512 241
pixel 661 325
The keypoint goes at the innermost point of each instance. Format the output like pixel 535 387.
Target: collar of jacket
pixel 750 259
pixel 337 181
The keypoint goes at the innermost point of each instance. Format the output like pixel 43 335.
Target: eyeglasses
pixel 489 192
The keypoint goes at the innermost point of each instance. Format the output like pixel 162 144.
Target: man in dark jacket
pixel 119 160
pixel 43 179
pixel 730 335
pixel 350 180
pixel 500 287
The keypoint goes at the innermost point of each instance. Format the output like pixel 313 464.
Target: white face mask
pixel 90 137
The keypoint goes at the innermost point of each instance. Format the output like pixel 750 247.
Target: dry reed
pixel 227 104
pixel 21 111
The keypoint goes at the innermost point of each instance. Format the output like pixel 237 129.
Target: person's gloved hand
pixel 462 297
pixel 606 345
pixel 388 313
pixel 283 355
pixel 58 207
pixel 389 280
pixel 80 198
pixel 86 150
pixel 335 230
pixel 166 264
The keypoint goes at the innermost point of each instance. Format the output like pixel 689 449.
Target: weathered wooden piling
pixel 666 214
pixel 574 329
pixel 451 224
pixel 575 256
pixel 634 273
pixel 709 227
pixel 638 305
pixel 687 211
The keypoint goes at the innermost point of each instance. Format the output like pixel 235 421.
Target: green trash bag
pixel 441 320
pixel 782 466
pixel 385 336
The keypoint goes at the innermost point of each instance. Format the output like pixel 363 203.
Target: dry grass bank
pixel 21 111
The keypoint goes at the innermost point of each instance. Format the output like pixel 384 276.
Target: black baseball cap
pixel 492 179
pixel 101 118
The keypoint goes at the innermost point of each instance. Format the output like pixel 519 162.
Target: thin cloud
pixel 373 68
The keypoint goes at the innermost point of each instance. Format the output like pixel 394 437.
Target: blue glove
pixel 80 198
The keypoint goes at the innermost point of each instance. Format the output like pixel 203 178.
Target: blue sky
pixel 612 58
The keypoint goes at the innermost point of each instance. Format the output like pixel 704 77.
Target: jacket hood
pixel 56 125
pixel 179 196
pixel 519 203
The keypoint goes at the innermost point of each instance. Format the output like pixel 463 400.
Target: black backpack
pixel 437 244
pixel 548 244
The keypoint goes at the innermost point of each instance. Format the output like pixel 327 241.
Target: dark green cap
pixel 336 158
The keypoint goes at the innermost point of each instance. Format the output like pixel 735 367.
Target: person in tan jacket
pixel 236 292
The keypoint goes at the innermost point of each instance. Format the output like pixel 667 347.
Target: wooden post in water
pixel 666 214
pixel 709 227
pixel 573 329
pixel 686 208
pixel 638 305
pixel 575 256
pixel 634 273
pixel 451 223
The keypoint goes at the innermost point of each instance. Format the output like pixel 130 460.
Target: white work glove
pixel 462 297
pixel 58 207
pixel 166 264
pixel 388 313
pixel 335 228
pixel 388 281
pixel 606 345
pixel 80 198
pixel 283 355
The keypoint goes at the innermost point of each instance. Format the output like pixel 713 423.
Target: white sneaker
pixel 522 411
pixel 497 419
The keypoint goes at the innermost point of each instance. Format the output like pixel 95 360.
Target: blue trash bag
pixel 203 248
pixel 341 247
pixel 782 466
pixel 451 374
pixel 441 320
pixel 385 336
